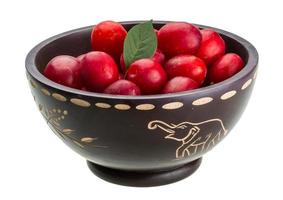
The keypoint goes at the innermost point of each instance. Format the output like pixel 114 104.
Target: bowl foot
pixel 144 179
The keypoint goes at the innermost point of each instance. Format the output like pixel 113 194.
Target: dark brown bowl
pixel 140 140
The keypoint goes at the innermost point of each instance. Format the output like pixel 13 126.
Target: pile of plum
pixel 186 58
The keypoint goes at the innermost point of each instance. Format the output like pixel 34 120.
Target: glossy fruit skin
pixel 149 75
pixel 98 71
pixel 157 57
pixel 212 46
pixel 225 67
pixel 64 70
pixel 178 38
pixel 179 84
pixel 186 65
pixel 123 87
pixel 109 36
pixel 80 57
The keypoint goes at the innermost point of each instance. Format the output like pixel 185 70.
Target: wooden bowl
pixel 139 140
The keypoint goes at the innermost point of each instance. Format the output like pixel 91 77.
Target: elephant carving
pixel 193 137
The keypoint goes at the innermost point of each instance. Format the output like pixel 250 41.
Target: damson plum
pixel 187 57
pixel 225 67
pixel 179 84
pixel 178 38
pixel 149 75
pixel 109 36
pixel 64 70
pixel 212 46
pixel 98 71
pixel 186 65
pixel 123 87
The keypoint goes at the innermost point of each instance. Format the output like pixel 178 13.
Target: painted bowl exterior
pixel 145 132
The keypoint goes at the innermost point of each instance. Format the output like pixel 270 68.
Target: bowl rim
pixel 34 72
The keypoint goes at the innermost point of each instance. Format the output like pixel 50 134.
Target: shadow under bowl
pixel 139 140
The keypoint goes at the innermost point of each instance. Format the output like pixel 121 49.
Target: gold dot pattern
pixel 202 101
pixel 102 105
pixel 59 97
pixel 122 107
pixel 67 131
pixel 80 102
pixel 140 107
pixel 228 95
pixel 246 84
pixel 172 105
pixel 45 91
pixel 87 139
pixel 145 106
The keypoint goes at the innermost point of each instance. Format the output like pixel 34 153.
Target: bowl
pixel 139 140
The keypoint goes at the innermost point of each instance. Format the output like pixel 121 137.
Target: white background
pixel 35 164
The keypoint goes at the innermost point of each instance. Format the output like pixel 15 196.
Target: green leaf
pixel 141 42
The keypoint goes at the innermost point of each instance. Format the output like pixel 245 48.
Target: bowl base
pixel 144 179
